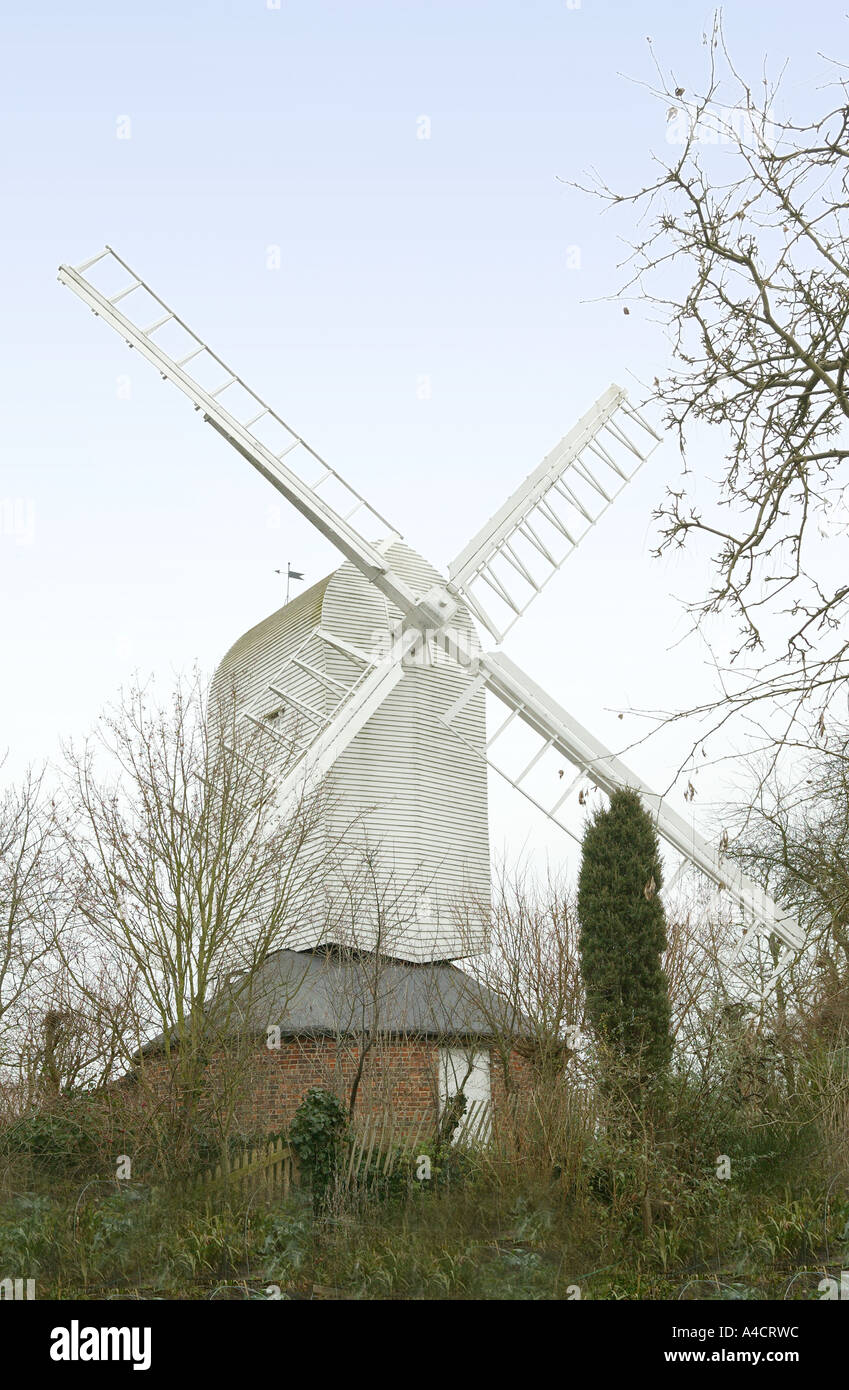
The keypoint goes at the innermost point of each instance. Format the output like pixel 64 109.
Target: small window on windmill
pixel 465 1071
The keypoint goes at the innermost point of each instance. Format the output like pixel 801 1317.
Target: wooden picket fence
pixel 272 1166
pixel 374 1147
pixel 378 1144
pixel 475 1128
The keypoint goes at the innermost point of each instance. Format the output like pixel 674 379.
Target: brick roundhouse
pixel 399 1038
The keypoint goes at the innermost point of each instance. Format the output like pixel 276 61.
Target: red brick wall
pixel 509 1073
pixel 399 1079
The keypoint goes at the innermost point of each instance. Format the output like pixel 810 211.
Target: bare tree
pixel 186 875
pixel 30 879
pixel 741 253
pixel 527 987
pixel 795 836
pixel 530 975
pixel 370 914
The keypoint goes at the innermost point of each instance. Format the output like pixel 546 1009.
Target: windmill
pixel 375 677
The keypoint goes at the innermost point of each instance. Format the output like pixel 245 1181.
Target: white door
pixel 464 1069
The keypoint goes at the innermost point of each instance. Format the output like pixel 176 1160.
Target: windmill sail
pixel 312 732
pixel 354 700
pixel 555 729
pixel 521 547
pixel 241 415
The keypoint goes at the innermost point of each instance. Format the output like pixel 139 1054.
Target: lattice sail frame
pixel 526 542
pixel 241 415
pixel 554 729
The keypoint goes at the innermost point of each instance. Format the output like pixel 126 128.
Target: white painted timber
pixel 244 434
pixel 557 729
pixel 467 1071
pixel 524 544
pixel 399 788
pixel 362 701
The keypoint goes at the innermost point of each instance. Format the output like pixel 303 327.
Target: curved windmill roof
pixel 259 653
pixel 345 603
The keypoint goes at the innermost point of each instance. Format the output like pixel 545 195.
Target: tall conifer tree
pixel 623 935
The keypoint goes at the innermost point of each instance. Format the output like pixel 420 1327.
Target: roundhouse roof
pixel 326 992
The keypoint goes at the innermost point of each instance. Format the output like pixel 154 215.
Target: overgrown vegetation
pixel 721 1171
pixel 508 1223
pixel 317 1135
pixel 664 1124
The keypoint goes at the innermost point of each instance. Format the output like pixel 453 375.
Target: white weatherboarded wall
pixel 407 798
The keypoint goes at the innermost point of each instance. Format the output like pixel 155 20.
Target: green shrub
pixel 317 1134
pixel 54 1143
pixel 288 1241
pixel 32 1235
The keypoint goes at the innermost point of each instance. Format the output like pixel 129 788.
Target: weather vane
pixel 290 575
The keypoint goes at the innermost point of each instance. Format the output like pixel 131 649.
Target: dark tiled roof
pixel 328 992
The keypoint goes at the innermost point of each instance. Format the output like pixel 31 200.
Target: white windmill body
pixel 402 740
pixel 404 789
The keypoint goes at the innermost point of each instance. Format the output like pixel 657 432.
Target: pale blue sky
pixel 152 544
